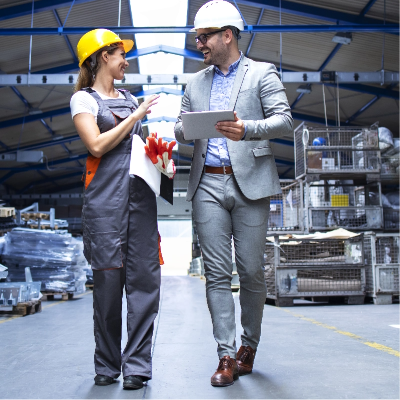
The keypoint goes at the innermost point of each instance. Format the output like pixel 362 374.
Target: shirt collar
pixel 233 67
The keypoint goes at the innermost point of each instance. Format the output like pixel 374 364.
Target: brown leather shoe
pixel 245 359
pixel 226 373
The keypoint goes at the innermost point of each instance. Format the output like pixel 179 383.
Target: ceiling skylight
pixel 161 13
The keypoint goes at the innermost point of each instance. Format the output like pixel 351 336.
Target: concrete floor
pixel 306 352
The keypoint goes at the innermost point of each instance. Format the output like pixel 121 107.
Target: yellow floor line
pixel 10 319
pixel 374 345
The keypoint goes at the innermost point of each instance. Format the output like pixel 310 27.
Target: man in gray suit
pixel 232 178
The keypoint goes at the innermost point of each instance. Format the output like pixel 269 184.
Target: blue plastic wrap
pixel 55 258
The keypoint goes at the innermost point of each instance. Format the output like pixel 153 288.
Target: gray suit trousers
pixel 221 212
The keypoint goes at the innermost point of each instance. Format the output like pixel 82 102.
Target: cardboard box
pixel 314 159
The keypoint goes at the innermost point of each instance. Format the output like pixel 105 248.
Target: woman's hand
pixel 144 108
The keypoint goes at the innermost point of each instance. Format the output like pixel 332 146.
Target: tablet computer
pixel 201 125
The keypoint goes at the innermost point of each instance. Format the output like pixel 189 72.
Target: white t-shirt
pixel 83 102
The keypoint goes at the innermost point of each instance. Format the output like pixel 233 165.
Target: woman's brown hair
pixel 87 73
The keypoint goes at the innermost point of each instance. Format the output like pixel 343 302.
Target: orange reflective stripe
pixel 92 163
pixel 159 250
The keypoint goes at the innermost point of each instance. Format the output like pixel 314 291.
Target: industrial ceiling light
pixel 343 38
pixel 34 111
pixel 306 89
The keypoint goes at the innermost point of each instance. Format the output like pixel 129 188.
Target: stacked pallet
pixel 54 257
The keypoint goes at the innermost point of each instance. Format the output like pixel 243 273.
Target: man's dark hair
pixel 235 31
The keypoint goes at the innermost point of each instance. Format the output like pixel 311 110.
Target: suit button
pixel 89 172
pixel 203 155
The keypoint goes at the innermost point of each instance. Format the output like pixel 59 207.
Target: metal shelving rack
pixel 310 268
pixel 286 209
pixel 340 168
pixel 337 152
pixel 382 265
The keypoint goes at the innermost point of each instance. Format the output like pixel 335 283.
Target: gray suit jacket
pixel 259 99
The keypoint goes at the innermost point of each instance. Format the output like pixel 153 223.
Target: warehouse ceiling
pixel 37 117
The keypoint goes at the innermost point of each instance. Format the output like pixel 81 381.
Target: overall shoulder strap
pixel 129 97
pixel 96 96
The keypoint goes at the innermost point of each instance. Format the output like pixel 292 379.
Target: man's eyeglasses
pixel 203 37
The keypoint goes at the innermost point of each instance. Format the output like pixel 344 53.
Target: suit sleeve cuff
pixel 245 131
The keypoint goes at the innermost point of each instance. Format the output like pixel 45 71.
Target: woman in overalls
pixel 119 213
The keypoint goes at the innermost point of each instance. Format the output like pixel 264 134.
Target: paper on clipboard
pixel 201 125
pixel 142 166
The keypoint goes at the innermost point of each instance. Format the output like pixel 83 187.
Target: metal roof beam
pixel 49 180
pixel 323 65
pixel 343 78
pixel 69 45
pixel 36 117
pixel 367 7
pixel 253 35
pixel 193 55
pixel 305 10
pixel 55 142
pixel 362 109
pixel 311 118
pixel 366 106
pixel 44 166
pixel 43 122
pixel 334 51
pixel 6 176
pixel 40 5
pixel 366 89
pixel 377 27
pixel 132 55
pixel 166 90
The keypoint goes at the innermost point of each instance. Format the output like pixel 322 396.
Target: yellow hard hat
pixel 96 39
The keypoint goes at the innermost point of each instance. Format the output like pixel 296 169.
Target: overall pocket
pixel 105 243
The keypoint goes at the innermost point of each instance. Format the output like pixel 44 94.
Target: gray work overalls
pixel 120 238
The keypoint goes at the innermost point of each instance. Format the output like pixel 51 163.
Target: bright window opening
pixel 161 13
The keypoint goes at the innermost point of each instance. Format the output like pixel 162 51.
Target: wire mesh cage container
pixel 286 209
pixel 336 150
pixel 332 204
pixel 391 219
pixel 382 263
pixel 390 167
pixel 304 268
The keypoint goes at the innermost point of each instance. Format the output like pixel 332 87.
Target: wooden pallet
pixel 34 226
pixel 7 212
pixel 27 308
pixel 345 299
pixel 50 295
pixel 26 216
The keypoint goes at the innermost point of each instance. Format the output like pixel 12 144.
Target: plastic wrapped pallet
pixel 55 258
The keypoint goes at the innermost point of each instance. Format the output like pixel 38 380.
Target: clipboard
pixel 201 125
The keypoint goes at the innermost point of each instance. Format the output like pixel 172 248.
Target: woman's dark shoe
pixel 103 380
pixel 133 382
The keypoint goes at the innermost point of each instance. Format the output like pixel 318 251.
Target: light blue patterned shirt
pixel 217 150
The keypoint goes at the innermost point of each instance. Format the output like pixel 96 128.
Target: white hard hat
pixel 216 14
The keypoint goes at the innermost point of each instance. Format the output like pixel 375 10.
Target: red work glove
pixel 160 153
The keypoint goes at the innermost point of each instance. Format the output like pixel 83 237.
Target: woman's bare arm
pixel 99 144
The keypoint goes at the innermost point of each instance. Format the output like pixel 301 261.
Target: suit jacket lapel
pixel 208 79
pixel 241 72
